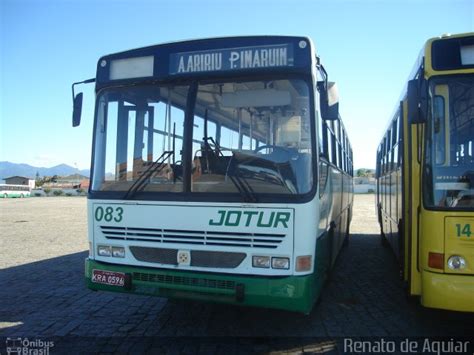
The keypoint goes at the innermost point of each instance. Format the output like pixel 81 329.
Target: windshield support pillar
pixel 188 137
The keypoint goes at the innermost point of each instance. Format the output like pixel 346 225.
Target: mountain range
pixel 8 169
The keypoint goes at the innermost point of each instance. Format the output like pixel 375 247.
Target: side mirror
pixel 77 110
pixel 329 100
pixel 77 99
pixel 416 102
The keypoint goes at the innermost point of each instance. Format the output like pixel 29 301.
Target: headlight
pixel 261 261
pixel 118 252
pixel 104 250
pixel 280 263
pixel 456 262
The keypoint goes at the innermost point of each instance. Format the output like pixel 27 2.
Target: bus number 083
pixel 108 214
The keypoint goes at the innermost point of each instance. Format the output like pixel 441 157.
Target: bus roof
pixel 449 54
pixel 425 60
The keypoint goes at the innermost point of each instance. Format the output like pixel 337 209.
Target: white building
pixel 20 180
pixel 364 184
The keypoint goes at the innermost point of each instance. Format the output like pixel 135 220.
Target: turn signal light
pixel 436 260
pixel 303 263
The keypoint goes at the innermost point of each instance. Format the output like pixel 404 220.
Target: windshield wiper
pixel 155 167
pixel 244 188
pixel 241 184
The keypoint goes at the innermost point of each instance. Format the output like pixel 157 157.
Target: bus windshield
pixel 449 163
pixel 248 138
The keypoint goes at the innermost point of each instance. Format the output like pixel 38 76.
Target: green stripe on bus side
pixel 13 195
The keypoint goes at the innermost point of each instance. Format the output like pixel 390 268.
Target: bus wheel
pixel 5 195
pixel 383 240
pixel 411 299
pixel 401 250
pixel 345 243
pixel 21 196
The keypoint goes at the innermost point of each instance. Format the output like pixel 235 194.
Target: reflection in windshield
pixel 139 139
pixel 264 137
pixel 449 166
pixel 247 138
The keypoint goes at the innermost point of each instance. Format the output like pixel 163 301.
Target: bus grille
pixel 183 280
pixel 199 258
pixel 175 236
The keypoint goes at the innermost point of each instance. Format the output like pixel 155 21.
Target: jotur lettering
pixel 261 219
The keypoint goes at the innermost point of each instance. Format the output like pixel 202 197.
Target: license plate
pixel 110 278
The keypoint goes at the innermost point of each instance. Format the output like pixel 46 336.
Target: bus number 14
pixel 463 230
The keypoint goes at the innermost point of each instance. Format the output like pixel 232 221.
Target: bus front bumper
pixel 292 293
pixel 448 291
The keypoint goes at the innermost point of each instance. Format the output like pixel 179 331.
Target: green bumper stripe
pixel 294 293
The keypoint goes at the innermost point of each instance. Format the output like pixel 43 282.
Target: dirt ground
pixel 364 220
pixel 39 228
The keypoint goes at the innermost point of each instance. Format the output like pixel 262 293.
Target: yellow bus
pixel 425 176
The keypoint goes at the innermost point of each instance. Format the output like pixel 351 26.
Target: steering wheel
pixel 276 148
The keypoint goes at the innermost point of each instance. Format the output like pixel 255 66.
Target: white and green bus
pixel 221 171
pixel 9 190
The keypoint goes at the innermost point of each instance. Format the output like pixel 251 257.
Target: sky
pixel 367 47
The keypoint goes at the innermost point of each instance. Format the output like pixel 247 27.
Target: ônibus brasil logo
pixel 251 218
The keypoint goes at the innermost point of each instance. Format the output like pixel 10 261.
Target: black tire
pixel 383 240
pixel 330 250
pixel 411 299
pixel 345 243
pixel 401 250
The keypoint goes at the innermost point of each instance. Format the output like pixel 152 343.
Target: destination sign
pixel 280 55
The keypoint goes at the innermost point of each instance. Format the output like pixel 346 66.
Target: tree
pixel 364 172
pixel 38 181
pixel 361 172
